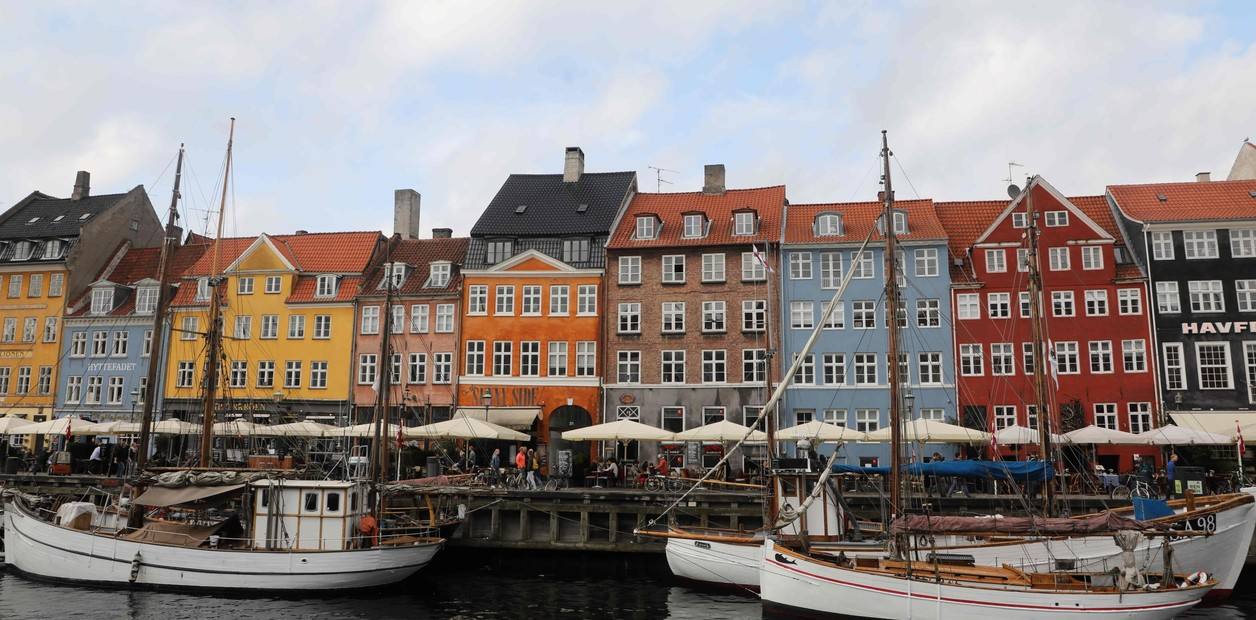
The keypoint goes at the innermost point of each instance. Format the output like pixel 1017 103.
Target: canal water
pixel 460 585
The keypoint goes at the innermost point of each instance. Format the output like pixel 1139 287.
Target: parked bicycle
pixel 1133 486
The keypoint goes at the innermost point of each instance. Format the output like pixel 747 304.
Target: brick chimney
pixel 713 179
pixel 82 185
pixel 573 165
pixel 406 213
pixel 1203 177
pixel 442 233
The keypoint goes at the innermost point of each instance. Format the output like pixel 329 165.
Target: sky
pixel 339 103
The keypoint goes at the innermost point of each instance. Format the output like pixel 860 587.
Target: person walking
pixel 1170 472
pixel 495 466
pixel 533 466
pixel 95 461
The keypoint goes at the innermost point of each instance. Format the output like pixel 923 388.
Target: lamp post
pixel 135 396
pixel 487 397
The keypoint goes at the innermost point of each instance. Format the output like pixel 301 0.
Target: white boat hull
pixel 45 551
pixel 715 563
pixel 798 584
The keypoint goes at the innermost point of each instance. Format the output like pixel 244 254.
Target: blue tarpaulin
pixel 1147 509
pixel 997 470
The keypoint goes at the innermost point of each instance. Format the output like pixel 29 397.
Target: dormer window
pixel 828 224
pixel 499 251
pixel 575 251
pixel 394 273
pixel 326 286
pixel 439 277
pixel 53 249
pixel 900 223
pixel 695 226
pixel 102 300
pixel 146 300
pixel 202 289
pixel 22 250
pixel 744 223
pixel 647 227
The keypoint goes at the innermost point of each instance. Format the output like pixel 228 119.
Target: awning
pixel 173 533
pixel 1221 422
pixel 517 418
pixel 162 496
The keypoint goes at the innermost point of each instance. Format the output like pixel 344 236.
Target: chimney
pixel 1203 177
pixel 406 213
pixel 442 233
pixel 82 185
pixel 713 179
pixel 573 165
pixel 301 232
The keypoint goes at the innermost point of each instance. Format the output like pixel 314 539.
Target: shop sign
pixel 1219 327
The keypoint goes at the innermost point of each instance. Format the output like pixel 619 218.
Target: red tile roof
pixel 140 264
pixel 859 218
pixel 303 290
pixel 333 252
pixel 768 202
pixel 419 254
pixel 1187 202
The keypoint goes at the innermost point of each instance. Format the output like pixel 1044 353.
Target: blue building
pixel 844 380
pixel 106 347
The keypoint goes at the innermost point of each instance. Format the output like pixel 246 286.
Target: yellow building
pixel 287 325
pixel 51 249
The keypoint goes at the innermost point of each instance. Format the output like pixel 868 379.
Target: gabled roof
pixel 1039 186
pixel 553 207
pixel 419 254
pixel 670 208
pixel 17 220
pixel 1244 167
pixel 860 218
pixel 139 265
pixel 333 252
pixel 1215 201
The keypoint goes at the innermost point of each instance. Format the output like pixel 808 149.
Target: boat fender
pixel 1196 578
pixel 135 566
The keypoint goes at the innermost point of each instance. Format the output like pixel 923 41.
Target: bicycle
pixel 1134 486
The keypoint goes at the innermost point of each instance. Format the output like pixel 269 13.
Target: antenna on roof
pixel 1011 178
pixel 658 177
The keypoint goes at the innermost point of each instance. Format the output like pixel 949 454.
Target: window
pixel 628 368
pixel 1140 417
pixel 322 326
pixel 4 380
pixel 146 300
pixel 752 270
pixel 996 261
pixel 244 285
pixel 1002 359
pixel 1101 356
pixel 1057 219
pixel 1134 354
pixel 100 343
pixel 398 323
pixel 1059 259
pixel 444 318
pixel 867 420
pixel 1105 416
pixel 714 366
pixel 929 368
pixel 1066 361
pixel 56 282
pixel 1062 303
pixel 1245 292
pixel 754 315
pixel 1096 303
pixel 1214 365
pixel 744 223
pixel 45 380
pixel 190 328
pixel 504 300
pixel 754 365
pixel 530 358
pixel 926 262
pixel 326 286
pixel 828 224
pixel 630 270
pixel 477 299
pixel 442 368
pixel 674 269
pixel 800 265
pixel 1206 296
pixel 647 227
pixel 1167 298
pixel 370 319
pixel 833 368
pixel 672 419
pixel 970 360
pixel 503 358
pixel 292 374
pixel 120 342
pixel 78 344
pixel 713 267
pixel 183 376
pixel 419 314
pixel 1129 301
pixel 865 369
pixel 202 289
pixel 830 270
pixel 22 250
pixel 673 317
pixel 1174 366
pixel 1022 260
pixel 694 226
pixel 558 302
pixel 586 300
pixel 148 343
pixel 801 314
pixel 102 298
pixel 266 373
pixel 237 377
pixel 36 287
pixel 1249 359
pixel 863 314
pixel 861 266
pixel 94 385
pixel 73 389
pixel 497 251
pixel 673 366
pixel 29 325
pixel 969 305
pixel 1243 242
pixel 475 358
pixel 1020 219
pixel 270 326
pixel 1004 416
pixel 1198 244
pixel 575 250
pixel 1092 257
pixel 806 373
pixel 273 285
pixel 803 416
pixel 713 317
pixel 557 359
pixel 10 330
pixel 629 318
pixel 1031 416
pixel 999 305
pixel 1162 246
pixel 116 388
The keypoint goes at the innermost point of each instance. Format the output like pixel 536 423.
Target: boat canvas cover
pixel 1104 523
pixel 1033 471
pixel 163 496
pixel 174 533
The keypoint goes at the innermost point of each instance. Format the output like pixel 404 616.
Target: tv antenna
pixel 1012 190
pixel 658 177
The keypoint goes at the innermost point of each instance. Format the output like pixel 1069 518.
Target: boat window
pixel 353 501
pixel 311 502
pixel 333 502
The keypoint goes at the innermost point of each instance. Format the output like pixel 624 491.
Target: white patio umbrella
pixel 723 430
pixel 1017 435
pixel 175 427
pixel 822 432
pixel 464 428
pixel 298 429
pixel 619 430
pixel 236 428
pixel 109 428
pixel 1097 435
pixel 933 431
pixel 362 430
pixel 10 423
pixel 55 426
pixel 1173 435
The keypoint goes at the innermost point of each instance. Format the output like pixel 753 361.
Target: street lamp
pixel 135 395
pixel 487 397
pixel 909 400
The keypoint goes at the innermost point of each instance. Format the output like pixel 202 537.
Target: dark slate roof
pixel 17 225
pixel 553 206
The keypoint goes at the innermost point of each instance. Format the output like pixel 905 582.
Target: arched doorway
pixel 566 418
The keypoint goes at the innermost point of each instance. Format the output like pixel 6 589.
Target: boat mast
pixel 213 333
pixel 385 373
pixel 1041 400
pixel 891 309
pixel 770 506
pixel 168 245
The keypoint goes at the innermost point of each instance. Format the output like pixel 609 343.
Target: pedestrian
pixel 533 465
pixel 521 458
pixel 94 461
pixel 121 458
pixel 471 458
pixel 1170 472
pixel 495 466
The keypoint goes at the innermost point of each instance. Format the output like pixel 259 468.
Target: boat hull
pixel 49 552
pixel 790 580
pixel 715 563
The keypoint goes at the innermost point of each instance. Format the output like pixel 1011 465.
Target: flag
pixel 68 435
pixel 994 445
pixel 1053 364
pixel 400 436
pixel 1238 434
pixel 761 258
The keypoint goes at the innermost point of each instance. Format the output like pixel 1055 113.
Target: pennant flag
pixel 1053 364
pixel 761 258
pixel 69 436
pixel 1238 434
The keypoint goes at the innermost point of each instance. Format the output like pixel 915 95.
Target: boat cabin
pixel 307 515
